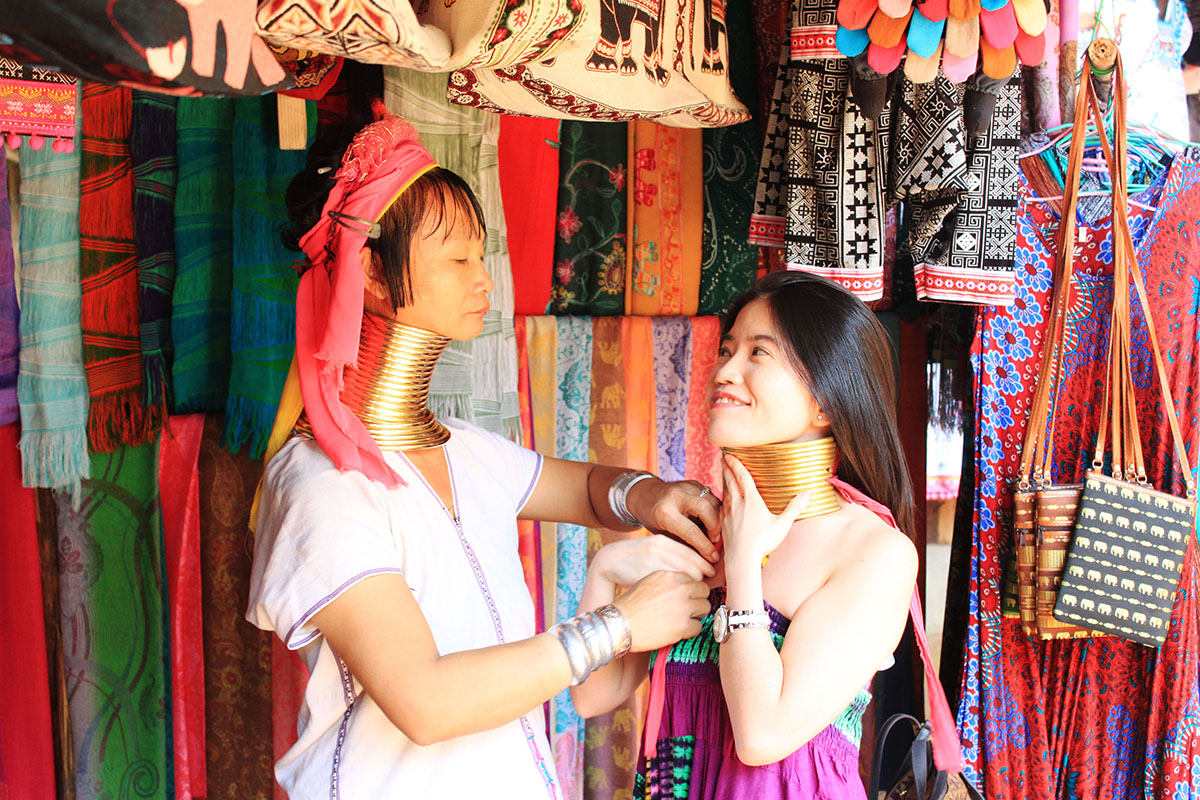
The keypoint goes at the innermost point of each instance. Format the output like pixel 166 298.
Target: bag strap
pixel 877 758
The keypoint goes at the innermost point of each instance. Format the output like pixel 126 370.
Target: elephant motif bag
pixel 1131 540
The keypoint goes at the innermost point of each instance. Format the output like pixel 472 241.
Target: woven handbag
pixel 1131 540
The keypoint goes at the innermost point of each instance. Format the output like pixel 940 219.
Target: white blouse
pixel 321 531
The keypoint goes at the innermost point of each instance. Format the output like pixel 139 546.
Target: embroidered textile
pixel 35 100
pixel 204 246
pixel 118 414
pixel 1098 718
pixel 666 215
pixel 110 579
pixel 141 44
pixel 152 148
pixel 25 728
pixel 262 299
pixel 590 240
pixel 672 368
pixel 677 76
pixel 51 386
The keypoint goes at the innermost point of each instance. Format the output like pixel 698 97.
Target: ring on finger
pixel 703 492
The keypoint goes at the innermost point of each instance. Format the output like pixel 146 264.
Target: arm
pixel 576 492
pixel 378 630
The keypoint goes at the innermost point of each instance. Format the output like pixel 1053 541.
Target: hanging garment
pixel 118 414
pixel 672 373
pixel 37 102
pixel 528 530
pixel 10 313
pixel 27 769
pixel 289 677
pixel 528 158
pixel 179 487
pixel 572 412
pixel 52 387
pixel 110 588
pixel 162 47
pixel 237 656
pixel 1040 82
pixel 771 32
pixel 542 338
pixel 262 300
pixel 1097 718
pixel 590 240
pixel 728 261
pixel 204 244
pixel 152 148
pixel 703 457
pixel 477 380
pixel 665 220
pixel 314 73
pixel 678 75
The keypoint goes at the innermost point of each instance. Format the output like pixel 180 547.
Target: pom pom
pixel 36 141
pixel 58 146
pixel 372 146
pixel 13 141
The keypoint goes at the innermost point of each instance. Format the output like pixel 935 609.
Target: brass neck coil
pixel 782 471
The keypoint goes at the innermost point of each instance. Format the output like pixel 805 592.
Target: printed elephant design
pixel 1110 488
pixel 1122 522
pixel 1126 493
pixel 1146 589
pixel 1106 517
pixel 1156 622
pixel 1075 571
pixel 1094 575
pixel 1169 565
pixel 1110 580
pixel 1151 560
pixel 1139 526
pixel 1069 600
pixel 1157 531
pixel 1162 593
pixel 1104 609
pixel 1087 604
pixel 714 26
pixel 1100 546
pixel 1116 551
pixel 1139 618
pixel 1134 556
pixel 1089 513
pixel 1121 613
pixel 617 19
pixel 1127 584
pixel 1175 535
pixel 1142 497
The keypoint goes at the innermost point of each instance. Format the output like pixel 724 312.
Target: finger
pixel 706 509
pixel 690 534
pixel 744 480
pixel 685 559
pixel 698 590
pixel 691 629
pixel 700 608
pixel 796 506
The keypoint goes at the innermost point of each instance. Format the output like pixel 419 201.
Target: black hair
pixel 843 356
pixel 430 199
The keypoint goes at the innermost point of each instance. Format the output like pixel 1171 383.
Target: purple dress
pixel 695 755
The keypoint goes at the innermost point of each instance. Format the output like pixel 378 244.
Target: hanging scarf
pixel 152 148
pixel 263 321
pixel 52 388
pixel 665 218
pixel 289 678
pixel 110 582
pixel 10 314
pixel 729 261
pixel 572 409
pixel 528 531
pixel 637 345
pixel 108 265
pixel 179 486
pixel 672 365
pixel 204 248
pixel 28 766
pixel 590 227
pixel 703 457
pixel 237 656
pixel 528 156
pixel 543 380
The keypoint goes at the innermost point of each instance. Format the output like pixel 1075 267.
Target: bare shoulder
pixel 875 549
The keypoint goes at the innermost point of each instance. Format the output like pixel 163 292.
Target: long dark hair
pixel 436 194
pixel 842 355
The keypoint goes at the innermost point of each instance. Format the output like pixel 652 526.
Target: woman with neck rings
pixel 386 543
pixel 766 702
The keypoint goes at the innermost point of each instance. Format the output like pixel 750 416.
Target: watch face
pixel 721 624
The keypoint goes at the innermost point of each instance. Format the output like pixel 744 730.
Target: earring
pixel 820 416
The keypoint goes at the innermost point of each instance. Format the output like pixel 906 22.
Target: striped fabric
pixel 51 387
pixel 263 301
pixel 108 268
pixel 152 148
pixel 204 244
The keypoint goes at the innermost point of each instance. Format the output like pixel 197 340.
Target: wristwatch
pixel 726 622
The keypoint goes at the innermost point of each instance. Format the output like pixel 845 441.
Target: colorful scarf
pixel 27 769
pixel 703 457
pixel 572 409
pixel 204 248
pixel 289 678
pixel 110 579
pixel 542 338
pixel 10 314
pixel 672 368
pixel 728 261
pixel 38 102
pixel 118 416
pixel 263 316
pixel 641 429
pixel 465 141
pixel 528 156
pixel 237 656
pixel 528 530
pixel 179 487
pixel 590 242
pixel 665 220
pixel 52 387
pixel 152 147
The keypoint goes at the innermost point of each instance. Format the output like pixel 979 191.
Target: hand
pixel 751 530
pixel 627 562
pixel 663 608
pixel 666 507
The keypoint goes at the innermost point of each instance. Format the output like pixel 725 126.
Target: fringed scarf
pixel 263 330
pixel 152 147
pixel 52 388
pixel 10 316
pixel 204 248
pixel 108 266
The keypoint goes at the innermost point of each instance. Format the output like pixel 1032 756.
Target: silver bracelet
pixel 576 648
pixel 618 629
pixel 618 492
pixel 596 636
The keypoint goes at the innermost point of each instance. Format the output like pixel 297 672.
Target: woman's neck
pixel 389 388
pixel 782 471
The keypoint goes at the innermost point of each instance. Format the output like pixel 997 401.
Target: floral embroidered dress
pixel 695 756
